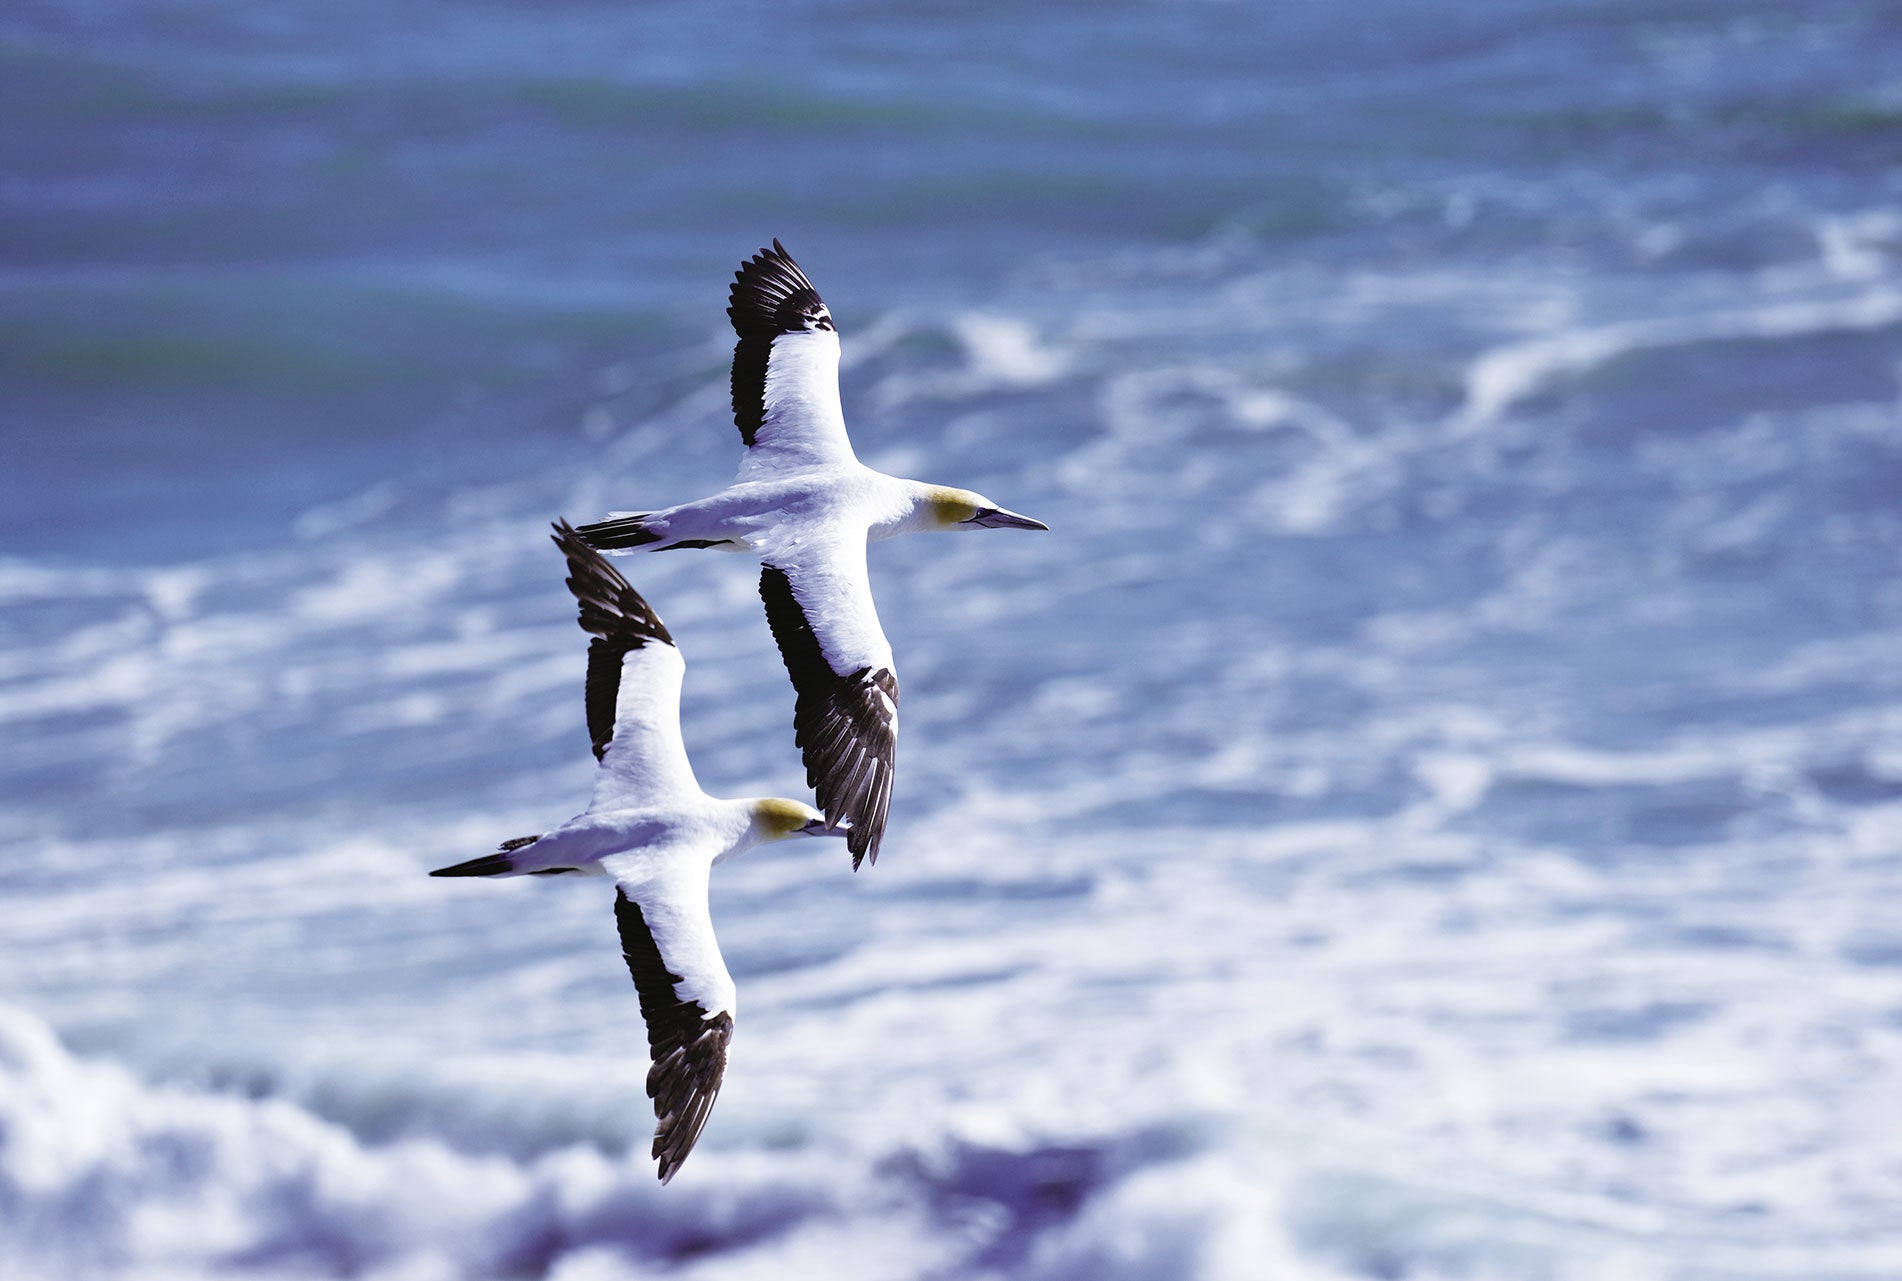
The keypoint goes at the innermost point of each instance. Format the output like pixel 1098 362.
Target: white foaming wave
pixel 1480 1017
pixel 995 352
pixel 1006 351
pixel 103 1176
pixel 1168 428
pixel 1146 403
pixel 377 629
pixel 1202 948
pixel 1500 378
pixel 1861 245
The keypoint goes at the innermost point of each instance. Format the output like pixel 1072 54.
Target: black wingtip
pixel 668 1163
pixel 770 295
pixel 864 851
pixel 610 607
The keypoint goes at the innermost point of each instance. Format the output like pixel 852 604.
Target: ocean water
pixel 1431 808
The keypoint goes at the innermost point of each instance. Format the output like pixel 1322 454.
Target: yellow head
pixel 776 818
pixel 950 508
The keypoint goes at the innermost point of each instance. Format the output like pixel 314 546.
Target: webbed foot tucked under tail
pixel 500 863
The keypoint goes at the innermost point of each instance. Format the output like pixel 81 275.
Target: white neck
pixel 912 512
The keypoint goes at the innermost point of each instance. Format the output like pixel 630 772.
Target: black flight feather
pixel 843 722
pixel 689 1049
pixel 770 296
pixel 618 619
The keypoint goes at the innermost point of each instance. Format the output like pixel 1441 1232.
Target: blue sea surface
pixel 1431 807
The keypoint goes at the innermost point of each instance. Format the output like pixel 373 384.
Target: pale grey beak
pixel 817 827
pixel 998 518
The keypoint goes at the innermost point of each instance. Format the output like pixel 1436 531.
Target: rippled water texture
pixel 1431 807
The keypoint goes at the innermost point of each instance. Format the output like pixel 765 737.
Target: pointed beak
pixel 998 518
pixel 818 827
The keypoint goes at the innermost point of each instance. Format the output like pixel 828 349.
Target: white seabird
pixel 806 506
pixel 652 829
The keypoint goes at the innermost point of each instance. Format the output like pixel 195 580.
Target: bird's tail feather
pixel 626 530
pixel 500 863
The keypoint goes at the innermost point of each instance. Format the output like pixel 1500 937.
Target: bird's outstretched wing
pixel 633 690
pixel 845 716
pixel 785 369
pixel 687 999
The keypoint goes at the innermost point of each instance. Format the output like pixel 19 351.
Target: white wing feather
pixel 804 423
pixel 646 761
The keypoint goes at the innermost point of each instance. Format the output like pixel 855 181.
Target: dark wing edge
pixel 688 1047
pixel 618 619
pixel 770 296
pixel 842 722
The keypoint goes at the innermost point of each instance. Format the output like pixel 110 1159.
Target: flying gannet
pixel 806 506
pixel 652 829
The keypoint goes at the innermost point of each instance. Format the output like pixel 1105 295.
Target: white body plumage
pixel 807 507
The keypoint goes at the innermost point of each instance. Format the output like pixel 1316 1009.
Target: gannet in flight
pixel 652 829
pixel 806 506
